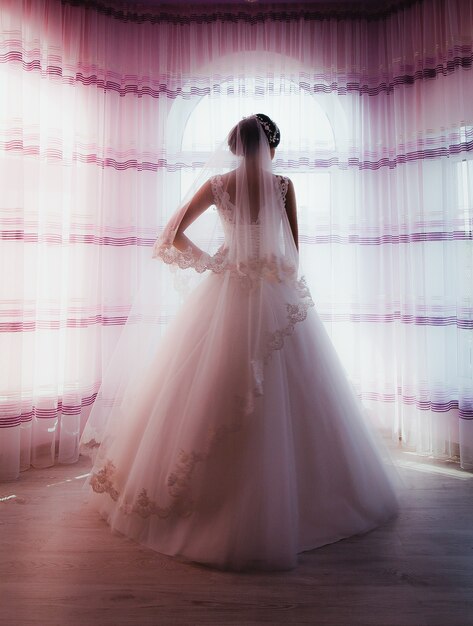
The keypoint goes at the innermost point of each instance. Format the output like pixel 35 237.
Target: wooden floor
pixel 60 564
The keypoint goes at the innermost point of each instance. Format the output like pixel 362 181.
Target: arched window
pixel 306 133
pixel 314 136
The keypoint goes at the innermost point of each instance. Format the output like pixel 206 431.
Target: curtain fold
pixel 102 111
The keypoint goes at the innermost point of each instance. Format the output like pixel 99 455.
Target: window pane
pixel 313 198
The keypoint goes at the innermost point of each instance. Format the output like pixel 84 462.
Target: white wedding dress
pixel 238 476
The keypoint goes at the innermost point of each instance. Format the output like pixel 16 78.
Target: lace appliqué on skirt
pixel 178 481
pixel 295 313
pixel 102 481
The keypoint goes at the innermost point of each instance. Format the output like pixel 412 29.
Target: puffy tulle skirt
pixel 194 467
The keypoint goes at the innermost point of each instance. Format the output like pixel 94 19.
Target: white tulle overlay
pixel 242 443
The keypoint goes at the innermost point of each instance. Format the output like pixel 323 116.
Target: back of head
pixel 247 137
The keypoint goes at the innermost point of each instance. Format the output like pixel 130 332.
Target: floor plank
pixel 61 565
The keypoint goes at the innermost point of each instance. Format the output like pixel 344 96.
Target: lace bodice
pixel 227 209
pixel 249 233
pixel 251 250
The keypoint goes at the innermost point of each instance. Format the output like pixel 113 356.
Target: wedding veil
pixel 246 247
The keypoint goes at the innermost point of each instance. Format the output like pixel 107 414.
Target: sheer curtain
pixel 107 112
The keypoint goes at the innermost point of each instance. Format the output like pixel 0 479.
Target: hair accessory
pixel 271 133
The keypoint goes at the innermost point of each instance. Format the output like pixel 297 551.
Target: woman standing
pixel 243 443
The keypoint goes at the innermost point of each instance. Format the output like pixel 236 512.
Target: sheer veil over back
pixel 234 439
pixel 258 247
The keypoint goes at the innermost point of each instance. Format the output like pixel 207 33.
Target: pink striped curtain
pixel 102 111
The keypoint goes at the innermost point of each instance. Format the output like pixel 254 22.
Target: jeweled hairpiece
pixel 271 134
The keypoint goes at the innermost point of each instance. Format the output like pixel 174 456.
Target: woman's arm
pixel 201 201
pixel 291 210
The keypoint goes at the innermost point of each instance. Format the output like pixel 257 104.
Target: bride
pixel 241 443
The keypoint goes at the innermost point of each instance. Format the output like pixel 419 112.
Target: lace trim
pixel 91 444
pixel 295 313
pixel 178 482
pixel 188 258
pixel 102 482
pixel 249 273
pixel 271 269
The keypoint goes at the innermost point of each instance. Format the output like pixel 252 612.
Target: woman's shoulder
pixel 282 177
pixel 285 183
pixel 227 178
pixel 220 179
